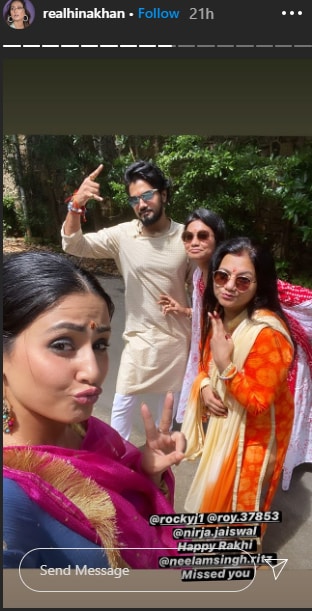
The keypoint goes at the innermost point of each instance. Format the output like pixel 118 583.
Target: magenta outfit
pixel 114 466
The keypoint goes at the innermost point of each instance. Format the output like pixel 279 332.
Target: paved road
pixel 289 539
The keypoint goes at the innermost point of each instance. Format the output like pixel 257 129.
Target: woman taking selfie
pixel 70 480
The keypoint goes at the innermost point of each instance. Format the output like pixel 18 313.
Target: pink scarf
pixel 114 465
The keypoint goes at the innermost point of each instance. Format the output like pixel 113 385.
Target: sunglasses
pixel 242 283
pixel 187 236
pixel 147 196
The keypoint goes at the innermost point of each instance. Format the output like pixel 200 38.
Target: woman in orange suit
pixel 246 352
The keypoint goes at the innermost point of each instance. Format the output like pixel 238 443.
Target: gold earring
pixel 8 418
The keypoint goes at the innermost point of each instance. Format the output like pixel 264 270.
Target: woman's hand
pixel 171 305
pixel 89 188
pixel 163 448
pixel 212 404
pixel 221 343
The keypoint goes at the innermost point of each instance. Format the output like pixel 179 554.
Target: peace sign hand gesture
pixel 163 448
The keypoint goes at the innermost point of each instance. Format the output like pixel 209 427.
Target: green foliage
pixel 238 181
pixel 295 192
pixel 262 195
pixel 12 218
pixel 282 268
pixel 302 278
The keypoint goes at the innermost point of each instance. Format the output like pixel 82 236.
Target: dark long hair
pixel 211 219
pixel 266 295
pixel 34 282
pixel 8 12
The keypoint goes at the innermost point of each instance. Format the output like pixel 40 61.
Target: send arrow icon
pixel 277 566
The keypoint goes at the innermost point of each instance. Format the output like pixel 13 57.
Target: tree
pixel 258 190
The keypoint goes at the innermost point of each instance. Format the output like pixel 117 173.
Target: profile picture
pixel 18 14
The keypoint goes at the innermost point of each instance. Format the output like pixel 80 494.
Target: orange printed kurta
pixel 242 455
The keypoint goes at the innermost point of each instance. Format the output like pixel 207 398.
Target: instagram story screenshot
pixel 157 304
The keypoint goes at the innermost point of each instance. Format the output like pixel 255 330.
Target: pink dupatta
pixel 68 484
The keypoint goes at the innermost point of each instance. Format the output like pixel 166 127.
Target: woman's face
pixel 57 365
pixel 228 295
pixel 199 241
pixel 17 12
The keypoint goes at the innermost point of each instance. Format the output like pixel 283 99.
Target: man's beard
pixel 151 219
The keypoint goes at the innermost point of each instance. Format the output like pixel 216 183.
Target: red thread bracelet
pixel 82 210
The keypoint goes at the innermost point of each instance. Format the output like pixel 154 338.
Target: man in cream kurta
pixel 151 258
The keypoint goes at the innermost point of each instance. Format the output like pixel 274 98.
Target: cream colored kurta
pixel 156 346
